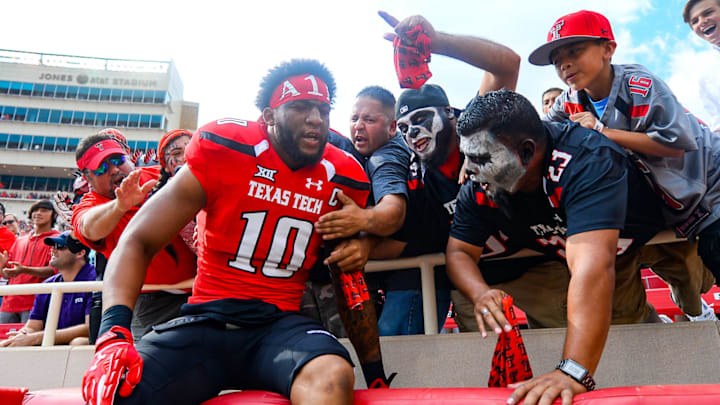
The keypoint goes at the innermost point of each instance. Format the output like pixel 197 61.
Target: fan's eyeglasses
pixel 104 166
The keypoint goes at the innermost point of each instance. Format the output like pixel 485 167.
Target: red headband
pixel 300 87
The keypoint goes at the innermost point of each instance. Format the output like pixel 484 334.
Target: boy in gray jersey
pixel 672 149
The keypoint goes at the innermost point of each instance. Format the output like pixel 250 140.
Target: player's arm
pixel 117 366
pixel 591 260
pixel 462 268
pixel 500 63
pixel 99 221
pixel 153 227
pixel 636 141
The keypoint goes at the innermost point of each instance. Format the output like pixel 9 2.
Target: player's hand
pixel 402 27
pixel 115 359
pixel 544 389
pixel 489 313
pixel 585 119
pixel 350 255
pixel 131 192
pixel 345 222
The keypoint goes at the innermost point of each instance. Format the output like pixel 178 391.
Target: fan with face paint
pixel 427 122
pixel 428 132
pixel 491 163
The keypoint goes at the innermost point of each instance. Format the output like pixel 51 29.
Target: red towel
pixel 510 363
pixel 412 59
pixel 354 289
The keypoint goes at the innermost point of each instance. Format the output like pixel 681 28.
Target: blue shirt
pixel 599 106
pixel 74 306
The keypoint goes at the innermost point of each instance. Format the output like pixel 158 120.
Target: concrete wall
pixel 659 354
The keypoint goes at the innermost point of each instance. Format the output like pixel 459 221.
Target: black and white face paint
pixel 490 163
pixel 427 132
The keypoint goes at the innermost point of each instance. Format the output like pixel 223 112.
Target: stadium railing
pixel 426 264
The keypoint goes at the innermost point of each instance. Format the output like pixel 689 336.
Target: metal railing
pixel 426 264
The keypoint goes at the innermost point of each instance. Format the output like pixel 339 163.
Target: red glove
pixel 115 355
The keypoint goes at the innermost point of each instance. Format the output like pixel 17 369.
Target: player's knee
pixel 328 373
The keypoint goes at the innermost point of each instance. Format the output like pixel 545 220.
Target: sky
pixel 222 49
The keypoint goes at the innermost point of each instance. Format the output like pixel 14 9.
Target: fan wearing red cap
pixel 117 190
pixel 638 111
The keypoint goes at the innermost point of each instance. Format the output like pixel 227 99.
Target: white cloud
pixel 687 66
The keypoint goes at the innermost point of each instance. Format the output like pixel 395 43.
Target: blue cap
pixel 64 239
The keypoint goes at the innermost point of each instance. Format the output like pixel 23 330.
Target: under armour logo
pixel 403 109
pixel 555 30
pixel 99 146
pixel 265 173
pixel 317 185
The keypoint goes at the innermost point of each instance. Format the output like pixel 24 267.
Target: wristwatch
pixel 577 373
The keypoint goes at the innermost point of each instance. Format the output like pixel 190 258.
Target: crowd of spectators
pixel 27 196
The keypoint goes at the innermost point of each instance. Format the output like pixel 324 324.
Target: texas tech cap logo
pixel 555 30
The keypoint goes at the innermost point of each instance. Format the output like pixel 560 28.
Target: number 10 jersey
pixel 256 236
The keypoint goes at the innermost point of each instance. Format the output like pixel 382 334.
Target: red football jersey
pixel 256 235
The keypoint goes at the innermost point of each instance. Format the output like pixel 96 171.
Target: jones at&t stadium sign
pixel 97 80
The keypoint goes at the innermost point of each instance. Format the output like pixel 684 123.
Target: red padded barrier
pixel 12 396
pixel 641 395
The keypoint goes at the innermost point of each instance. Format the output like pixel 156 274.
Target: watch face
pixel 574 369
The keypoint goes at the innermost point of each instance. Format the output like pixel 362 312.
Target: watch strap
pixel 586 380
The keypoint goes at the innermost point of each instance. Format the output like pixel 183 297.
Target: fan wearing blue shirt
pixel 70 258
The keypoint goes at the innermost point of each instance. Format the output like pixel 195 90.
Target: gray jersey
pixel 641 102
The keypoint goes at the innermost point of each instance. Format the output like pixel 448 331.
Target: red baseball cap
pixel 92 157
pixel 576 27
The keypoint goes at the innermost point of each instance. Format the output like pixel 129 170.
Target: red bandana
pixel 510 362
pixel 411 60
pixel 354 289
pixel 300 87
